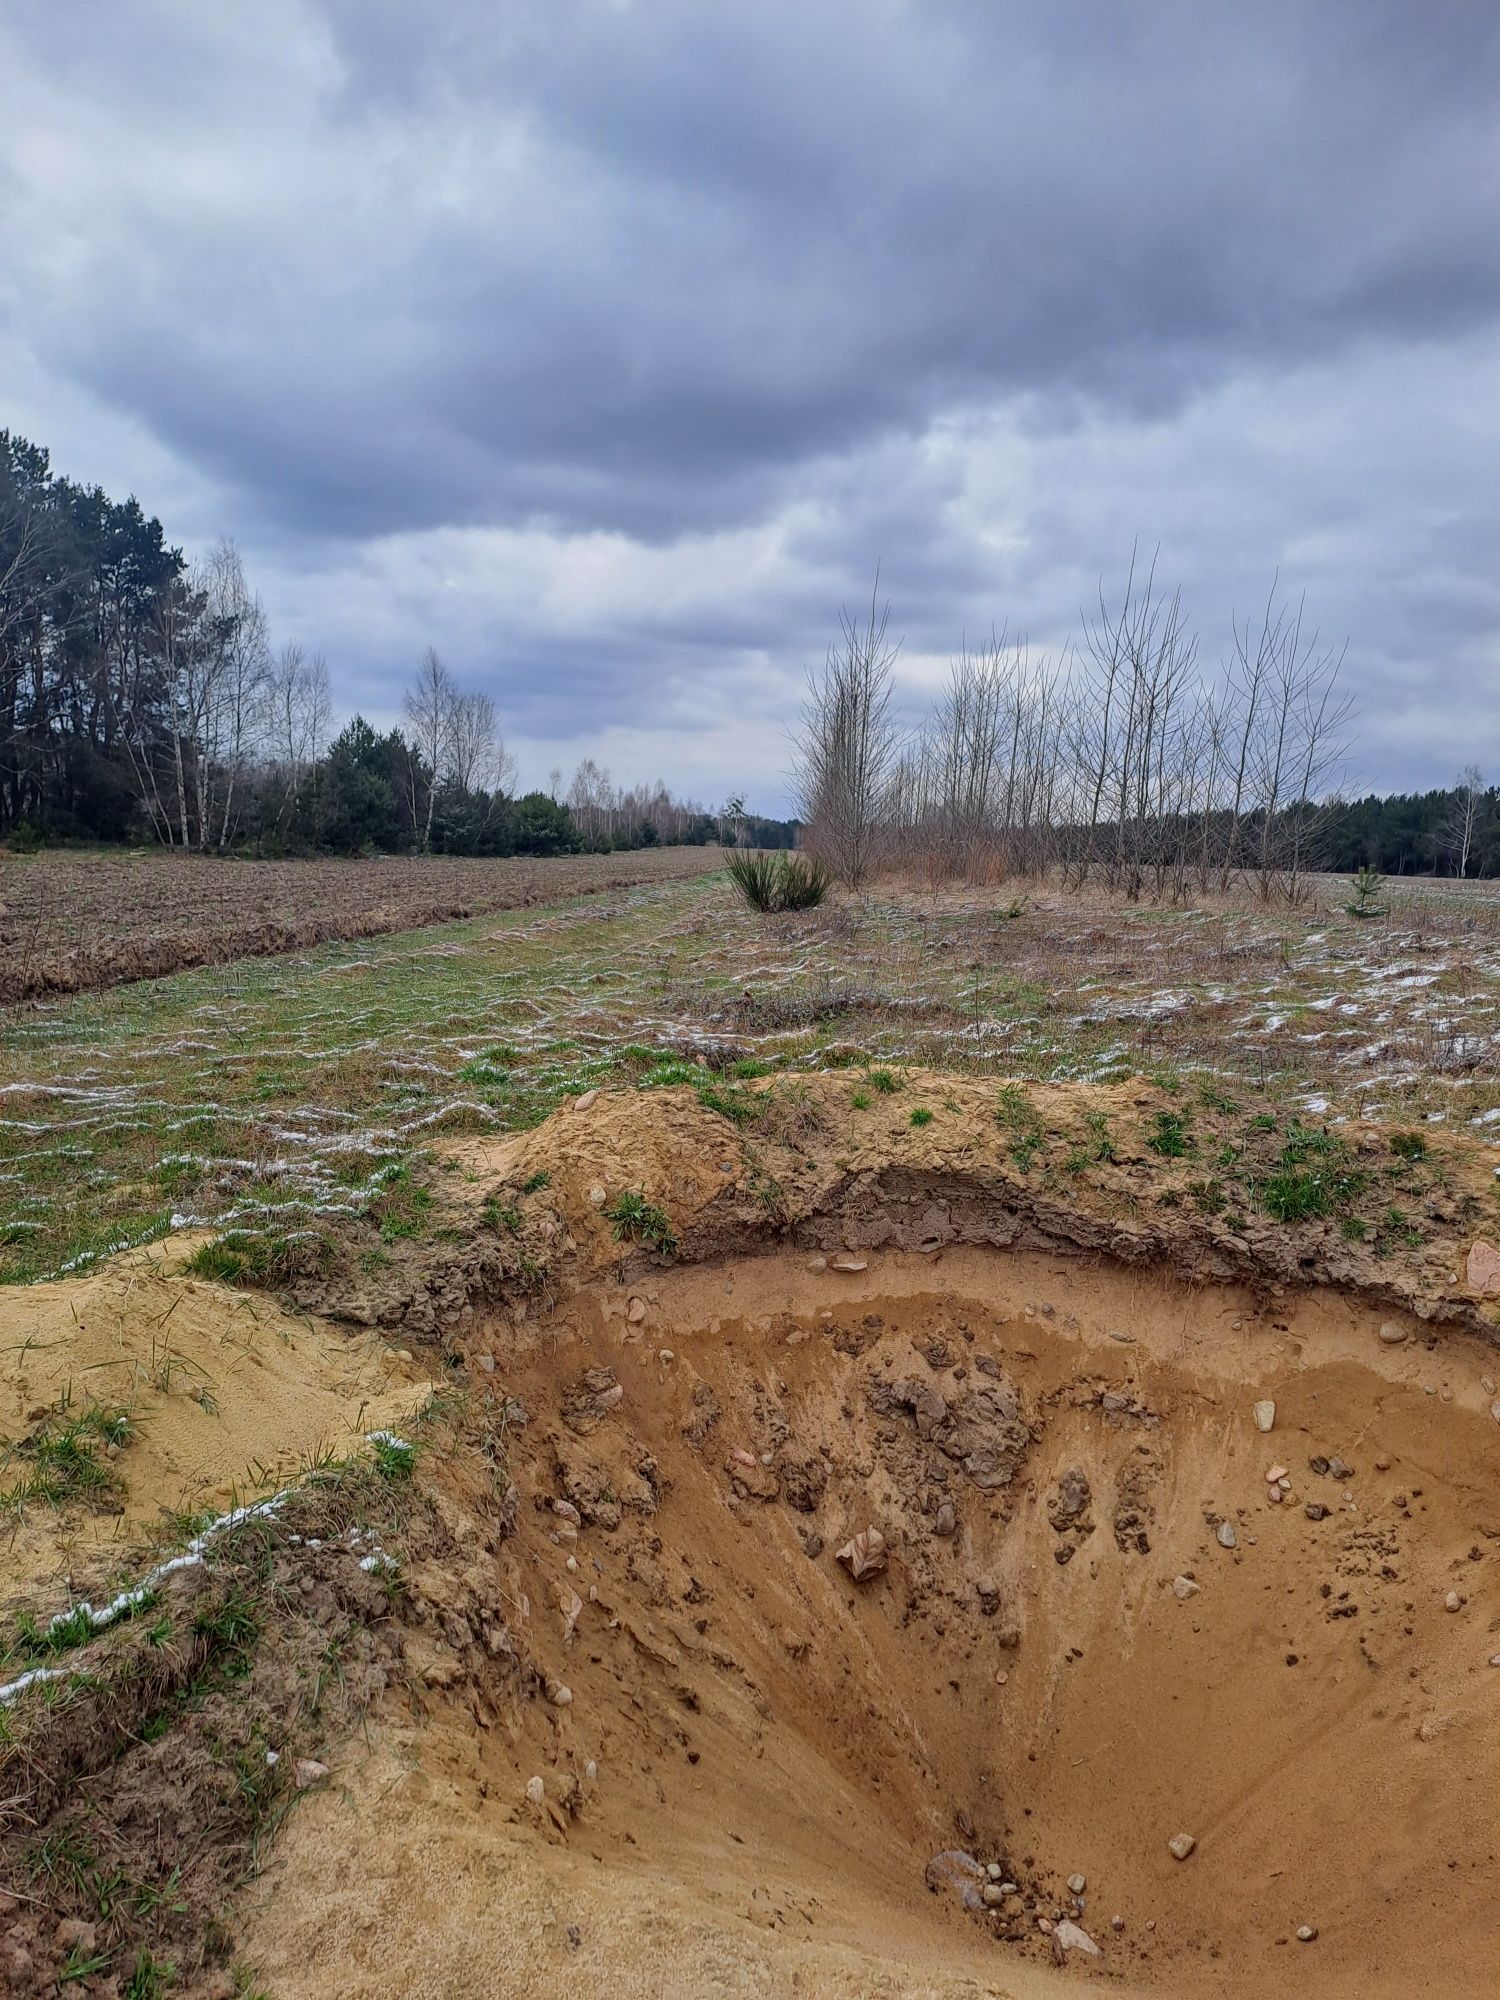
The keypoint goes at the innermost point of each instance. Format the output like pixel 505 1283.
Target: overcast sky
pixel 608 345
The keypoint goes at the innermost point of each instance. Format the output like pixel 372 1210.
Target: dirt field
pixel 624 1721
pixel 72 922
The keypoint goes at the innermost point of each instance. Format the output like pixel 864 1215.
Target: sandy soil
pixel 777 1752
pixel 226 1396
pixel 630 1726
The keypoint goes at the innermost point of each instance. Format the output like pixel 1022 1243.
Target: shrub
pixel 776 882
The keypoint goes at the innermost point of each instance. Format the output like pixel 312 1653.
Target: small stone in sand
pixel 1225 1536
pixel 1073 1937
pixel 1392 1335
pixel 1076 1885
pixel 536 1791
pixel 1181 1845
pixel 1264 1414
pixel 1183 1587
pixel 1306 1933
pixel 1453 1601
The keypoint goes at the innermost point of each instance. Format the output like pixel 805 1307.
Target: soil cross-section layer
pixel 856 1563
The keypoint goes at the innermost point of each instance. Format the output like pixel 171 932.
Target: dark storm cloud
pixel 668 271
pixel 632 266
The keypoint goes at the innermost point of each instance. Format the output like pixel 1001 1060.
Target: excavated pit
pixel 748 1760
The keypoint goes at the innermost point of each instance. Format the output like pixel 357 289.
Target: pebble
pixel 1073 1937
pixel 1495 1659
pixel 583 1102
pixel 1306 1933
pixel 1117 1922
pixel 308 1771
pixel 1264 1414
pixel 849 1264
pixel 1181 1845
pixel 1225 1536
pixel 1077 1884
pixel 1183 1587
pixel 991 1896
pixel 665 1354
pixel 995 1872
pixel 817 1263
pixel 561 1695
pixel 1453 1601
pixel 636 1312
pixel 1274 1473
pixel 597 1197
pixel 1392 1335
pixel 536 1791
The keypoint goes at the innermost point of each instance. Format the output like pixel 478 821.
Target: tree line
pixel 1124 760
pixel 141 697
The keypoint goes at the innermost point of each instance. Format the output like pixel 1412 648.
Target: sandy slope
pixel 779 1752
pixel 227 1395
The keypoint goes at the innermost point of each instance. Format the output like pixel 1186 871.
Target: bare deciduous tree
pixel 1461 822
pixel 429 711
pixel 847 756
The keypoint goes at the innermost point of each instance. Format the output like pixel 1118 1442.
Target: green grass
pixel 62 1459
pixel 637 1220
pixel 266 1099
pixel 921 1116
pixel 1169 1135
pixel 1313 1177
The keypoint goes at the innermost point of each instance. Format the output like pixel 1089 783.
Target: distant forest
pixel 141 699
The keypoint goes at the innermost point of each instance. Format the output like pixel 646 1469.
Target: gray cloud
pixel 450 313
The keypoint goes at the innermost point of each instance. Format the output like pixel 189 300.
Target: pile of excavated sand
pixel 226 1396
pixel 665 1743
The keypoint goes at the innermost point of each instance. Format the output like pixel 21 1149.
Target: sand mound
pixel 137 1392
pixel 1095 1626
